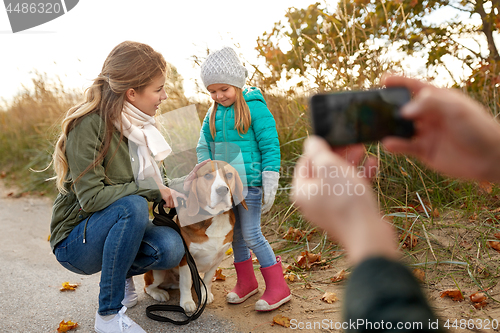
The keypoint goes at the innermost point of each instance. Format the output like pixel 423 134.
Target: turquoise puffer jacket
pixel 250 153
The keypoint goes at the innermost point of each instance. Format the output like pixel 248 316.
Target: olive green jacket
pixel 102 185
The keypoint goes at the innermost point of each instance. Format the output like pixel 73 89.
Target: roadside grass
pixel 449 239
pixel 28 129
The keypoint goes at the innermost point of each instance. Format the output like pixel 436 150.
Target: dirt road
pixel 30 300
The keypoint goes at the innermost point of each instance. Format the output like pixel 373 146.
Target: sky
pixel 75 45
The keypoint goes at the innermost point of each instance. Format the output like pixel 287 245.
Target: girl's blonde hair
pixel 129 65
pixel 242 118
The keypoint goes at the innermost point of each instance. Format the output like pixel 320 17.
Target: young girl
pixel 100 218
pixel 241 117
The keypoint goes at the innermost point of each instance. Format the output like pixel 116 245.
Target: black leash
pixel 163 218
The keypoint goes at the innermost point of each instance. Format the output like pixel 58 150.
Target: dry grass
pixel 451 244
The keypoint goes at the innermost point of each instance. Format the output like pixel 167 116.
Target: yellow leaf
pixel 66 326
pixel 219 276
pixel 329 297
pixel 66 286
pixel 281 320
pixel 290 277
pixel 229 251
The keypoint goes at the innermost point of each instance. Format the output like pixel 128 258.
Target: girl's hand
pixel 170 196
pixel 269 187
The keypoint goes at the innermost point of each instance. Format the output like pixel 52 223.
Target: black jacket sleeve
pixel 382 296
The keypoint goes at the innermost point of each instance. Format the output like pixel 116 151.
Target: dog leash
pixel 162 218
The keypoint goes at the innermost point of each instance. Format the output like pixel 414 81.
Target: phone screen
pixel 360 116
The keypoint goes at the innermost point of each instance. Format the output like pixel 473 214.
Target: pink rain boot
pixel 277 291
pixel 246 284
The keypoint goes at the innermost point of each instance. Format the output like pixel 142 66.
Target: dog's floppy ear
pixel 193 207
pixel 238 191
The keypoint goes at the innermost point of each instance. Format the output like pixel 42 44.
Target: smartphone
pixel 349 117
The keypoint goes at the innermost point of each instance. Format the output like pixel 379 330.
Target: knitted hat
pixel 223 66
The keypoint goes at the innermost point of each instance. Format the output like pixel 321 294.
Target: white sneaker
pixel 130 298
pixel 120 323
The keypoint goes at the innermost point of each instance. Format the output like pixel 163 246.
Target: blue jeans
pixel 247 233
pixel 120 241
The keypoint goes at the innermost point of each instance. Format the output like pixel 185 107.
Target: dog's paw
pixel 158 294
pixel 210 298
pixel 189 306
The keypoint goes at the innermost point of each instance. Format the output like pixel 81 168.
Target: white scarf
pixel 140 128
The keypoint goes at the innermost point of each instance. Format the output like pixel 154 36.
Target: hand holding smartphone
pixel 351 117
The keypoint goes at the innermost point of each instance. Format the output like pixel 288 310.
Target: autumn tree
pixel 351 44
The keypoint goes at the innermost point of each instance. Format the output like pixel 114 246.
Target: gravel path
pixel 30 300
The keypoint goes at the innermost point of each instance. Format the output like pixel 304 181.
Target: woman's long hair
pixel 129 65
pixel 242 118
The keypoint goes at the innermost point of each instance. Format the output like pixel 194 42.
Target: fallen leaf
pixel 496 235
pixel 494 245
pixel 3 174
pixel 454 294
pixel 435 212
pixel 281 320
pixel 478 297
pixel 66 286
pixel 410 241
pixel 480 305
pixel 290 277
pixel 306 260
pixel 496 210
pixel 229 251
pixel 48 239
pixel 219 276
pixel 296 235
pixel 66 326
pixel 466 245
pixel 483 271
pixel 486 187
pixel 329 297
pixel 339 276
pixel 419 274
pixel 255 260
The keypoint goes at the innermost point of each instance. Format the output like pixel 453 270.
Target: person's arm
pixel 264 127
pixel 383 294
pixel 330 194
pixel 203 149
pixel 455 135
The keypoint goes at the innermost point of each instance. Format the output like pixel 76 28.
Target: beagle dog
pixel 206 225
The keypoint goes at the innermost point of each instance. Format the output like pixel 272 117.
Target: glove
pixel 269 187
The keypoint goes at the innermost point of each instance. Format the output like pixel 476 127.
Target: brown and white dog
pixel 209 232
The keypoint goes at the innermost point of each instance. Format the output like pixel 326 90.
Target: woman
pixel 106 174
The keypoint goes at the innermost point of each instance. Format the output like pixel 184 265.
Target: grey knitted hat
pixel 223 66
